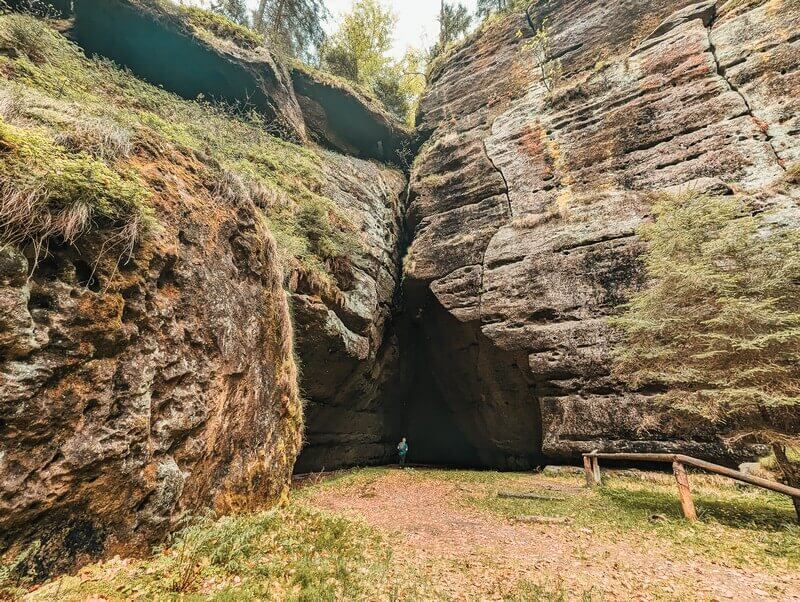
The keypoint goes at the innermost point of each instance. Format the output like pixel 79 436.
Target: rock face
pixel 525 200
pixel 140 34
pixel 131 396
pixel 347 348
pixel 343 119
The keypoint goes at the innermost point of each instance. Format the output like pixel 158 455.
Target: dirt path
pixel 473 554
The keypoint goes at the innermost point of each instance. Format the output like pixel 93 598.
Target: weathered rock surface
pixel 133 394
pixel 525 205
pixel 348 351
pixel 343 119
pixel 155 41
pixel 130 396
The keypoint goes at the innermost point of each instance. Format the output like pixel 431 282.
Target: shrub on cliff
pixel 719 323
pixel 45 191
pixel 358 52
pixel 220 26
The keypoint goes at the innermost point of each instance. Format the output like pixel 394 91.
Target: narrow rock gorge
pixel 450 284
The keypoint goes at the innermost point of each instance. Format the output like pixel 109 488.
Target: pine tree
pixel 454 21
pixel 294 27
pixel 235 10
pixel 719 323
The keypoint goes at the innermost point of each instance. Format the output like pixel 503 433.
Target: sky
pixel 416 24
pixel 416 20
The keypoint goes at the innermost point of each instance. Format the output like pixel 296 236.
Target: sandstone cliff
pixel 526 197
pixel 146 354
pixel 152 248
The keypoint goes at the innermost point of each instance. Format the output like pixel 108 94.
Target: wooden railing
pixel 591 465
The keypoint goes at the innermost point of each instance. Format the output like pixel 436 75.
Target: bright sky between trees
pixel 416 25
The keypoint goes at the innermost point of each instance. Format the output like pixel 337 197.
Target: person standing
pixel 402 451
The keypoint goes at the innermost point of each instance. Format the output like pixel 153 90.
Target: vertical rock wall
pixel 346 342
pixel 525 202
pixel 132 395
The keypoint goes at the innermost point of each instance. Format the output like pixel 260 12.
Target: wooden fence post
pixel 587 469
pixel 598 479
pixel 684 491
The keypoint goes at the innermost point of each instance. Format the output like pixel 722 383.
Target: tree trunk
pixel 258 16
pixel 441 26
pixel 790 471
pixel 279 14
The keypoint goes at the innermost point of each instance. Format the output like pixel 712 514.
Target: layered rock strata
pixel 526 198
pixel 346 342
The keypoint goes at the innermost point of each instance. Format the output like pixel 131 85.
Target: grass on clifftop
pixel 216 25
pixel 50 91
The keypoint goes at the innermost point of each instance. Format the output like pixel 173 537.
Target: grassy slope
pixel 51 92
pixel 295 553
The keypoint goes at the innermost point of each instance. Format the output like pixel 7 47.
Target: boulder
pixel 133 394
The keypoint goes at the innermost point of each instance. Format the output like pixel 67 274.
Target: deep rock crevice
pixel 721 72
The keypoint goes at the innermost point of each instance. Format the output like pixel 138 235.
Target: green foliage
pixel 235 10
pixel 288 554
pixel 21 36
pixel 388 88
pixel 490 7
pixel 358 52
pixel 539 47
pixel 362 42
pixel 220 26
pixel 47 191
pixel 90 105
pixel 294 27
pixel 719 322
pixel 454 21
pixel 14 580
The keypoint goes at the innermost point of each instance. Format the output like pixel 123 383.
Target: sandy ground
pixel 470 554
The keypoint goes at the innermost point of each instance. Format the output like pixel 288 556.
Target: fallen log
pixel 544 520
pixel 530 496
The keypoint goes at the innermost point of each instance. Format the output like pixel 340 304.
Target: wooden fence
pixel 591 465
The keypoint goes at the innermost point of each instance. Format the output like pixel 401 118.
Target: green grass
pixel 300 553
pixel 738 526
pixel 51 88
pixel 218 26
pixel 294 553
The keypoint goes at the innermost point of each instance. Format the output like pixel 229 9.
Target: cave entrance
pixel 468 403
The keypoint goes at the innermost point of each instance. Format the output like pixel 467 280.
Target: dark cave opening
pixel 468 403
